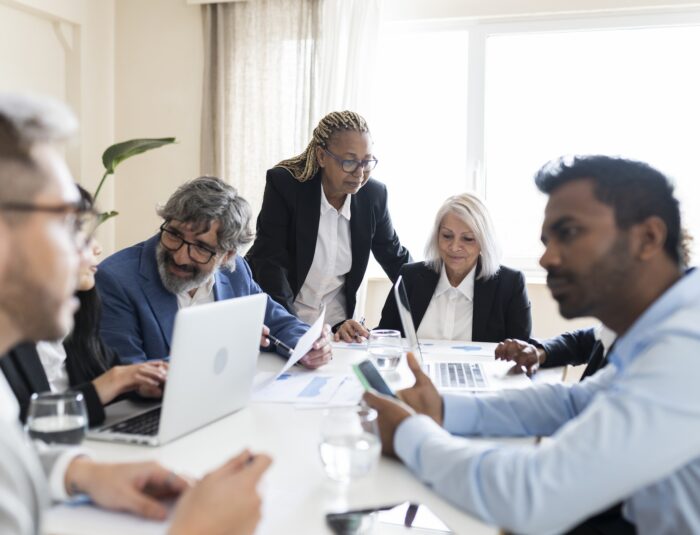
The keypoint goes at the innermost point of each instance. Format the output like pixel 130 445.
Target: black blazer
pixel 25 374
pixel 501 304
pixel 287 230
pixel 575 347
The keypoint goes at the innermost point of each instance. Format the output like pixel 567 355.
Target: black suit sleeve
pixel 269 257
pixel 95 410
pixel 386 247
pixel 390 314
pixel 573 348
pixel 518 317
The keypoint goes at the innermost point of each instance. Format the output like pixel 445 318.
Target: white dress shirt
pixel 628 433
pixel 203 295
pixel 325 281
pixel 53 359
pixel 451 310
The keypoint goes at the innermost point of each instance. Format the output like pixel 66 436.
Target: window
pixel 522 93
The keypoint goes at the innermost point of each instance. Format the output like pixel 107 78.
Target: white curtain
pixel 259 88
pixel 348 48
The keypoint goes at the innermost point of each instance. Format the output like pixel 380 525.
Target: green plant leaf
pixel 119 152
pixel 104 216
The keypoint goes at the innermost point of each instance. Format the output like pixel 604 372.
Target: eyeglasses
pixel 172 241
pixel 81 219
pixel 350 166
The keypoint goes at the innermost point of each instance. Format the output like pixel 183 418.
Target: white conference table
pixel 296 492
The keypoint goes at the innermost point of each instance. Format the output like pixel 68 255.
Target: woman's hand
pixel 147 378
pixel 351 331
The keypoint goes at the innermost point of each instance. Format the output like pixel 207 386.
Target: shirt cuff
pixel 461 414
pixel 57 477
pixel 410 435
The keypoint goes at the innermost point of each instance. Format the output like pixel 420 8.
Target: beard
pixel 196 275
pixel 35 308
pixel 604 282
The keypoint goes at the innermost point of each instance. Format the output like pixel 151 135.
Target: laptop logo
pixel 220 360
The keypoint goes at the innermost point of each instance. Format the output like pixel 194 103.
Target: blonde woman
pixel 461 292
pixel 321 216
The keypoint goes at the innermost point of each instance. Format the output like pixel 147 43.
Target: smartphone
pixel 388 519
pixel 370 377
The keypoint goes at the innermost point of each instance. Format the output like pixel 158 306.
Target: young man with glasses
pixel 191 260
pixel 42 228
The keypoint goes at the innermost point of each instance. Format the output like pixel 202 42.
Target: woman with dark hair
pixel 81 362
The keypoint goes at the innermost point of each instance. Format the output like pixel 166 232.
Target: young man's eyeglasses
pixel 81 219
pixel 173 240
pixel 350 166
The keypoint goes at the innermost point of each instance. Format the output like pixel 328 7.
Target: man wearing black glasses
pixel 43 227
pixel 192 260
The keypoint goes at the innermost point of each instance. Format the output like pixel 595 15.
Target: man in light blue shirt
pixel 631 432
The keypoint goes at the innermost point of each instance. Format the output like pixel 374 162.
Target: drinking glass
pixel 385 348
pixel 57 418
pixel 350 445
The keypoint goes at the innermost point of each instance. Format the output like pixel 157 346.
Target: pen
pixel 361 322
pixel 279 343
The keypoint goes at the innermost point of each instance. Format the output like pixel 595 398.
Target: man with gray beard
pixel 192 260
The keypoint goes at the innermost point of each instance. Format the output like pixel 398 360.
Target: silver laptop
pixel 212 365
pixel 469 376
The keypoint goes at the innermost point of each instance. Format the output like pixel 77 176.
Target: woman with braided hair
pixel 321 216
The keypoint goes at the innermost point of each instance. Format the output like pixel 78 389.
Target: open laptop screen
pixel 404 308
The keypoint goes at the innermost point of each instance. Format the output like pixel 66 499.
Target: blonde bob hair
pixel 473 213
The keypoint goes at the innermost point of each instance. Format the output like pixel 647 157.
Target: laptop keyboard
pixel 143 424
pixel 459 375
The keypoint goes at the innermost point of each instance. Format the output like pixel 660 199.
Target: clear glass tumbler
pixel 350 446
pixel 57 418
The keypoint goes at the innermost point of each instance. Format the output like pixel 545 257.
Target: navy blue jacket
pixel 138 312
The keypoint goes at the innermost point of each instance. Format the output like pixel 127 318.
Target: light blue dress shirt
pixel 630 433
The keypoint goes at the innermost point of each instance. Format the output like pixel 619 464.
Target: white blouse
pixel 53 359
pixel 325 281
pixel 451 310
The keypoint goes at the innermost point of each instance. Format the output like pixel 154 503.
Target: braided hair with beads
pixel 305 166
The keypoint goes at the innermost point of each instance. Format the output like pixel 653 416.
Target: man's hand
pixel 390 415
pixel 351 331
pixel 133 487
pixel 527 357
pixel 225 501
pixel 264 340
pixel 422 397
pixel 321 352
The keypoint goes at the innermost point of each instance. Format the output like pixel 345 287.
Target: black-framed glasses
pixel 350 166
pixel 172 241
pixel 80 218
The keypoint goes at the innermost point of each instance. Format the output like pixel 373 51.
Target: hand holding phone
pixel 370 378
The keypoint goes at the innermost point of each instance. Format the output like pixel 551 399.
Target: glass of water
pixel 385 348
pixel 57 418
pixel 350 447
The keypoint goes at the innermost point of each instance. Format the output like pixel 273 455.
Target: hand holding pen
pixel 352 331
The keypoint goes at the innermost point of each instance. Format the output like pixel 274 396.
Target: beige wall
pixel 34 59
pixel 158 86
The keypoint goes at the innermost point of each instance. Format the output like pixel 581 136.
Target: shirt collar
pixel 466 287
pixel 344 210
pixel 684 294
pixel 203 290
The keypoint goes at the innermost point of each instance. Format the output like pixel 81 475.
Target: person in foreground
pixel 192 260
pixel 321 216
pixel 81 361
pixel 461 292
pixel 39 262
pixel 611 236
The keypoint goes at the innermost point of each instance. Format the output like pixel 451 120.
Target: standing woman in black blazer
pixel 321 216
pixel 461 292
pixel 81 362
